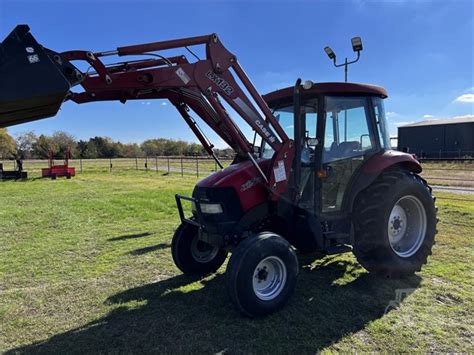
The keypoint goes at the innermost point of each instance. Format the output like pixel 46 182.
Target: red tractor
pixel 319 173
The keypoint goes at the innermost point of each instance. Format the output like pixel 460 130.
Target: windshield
pixel 285 116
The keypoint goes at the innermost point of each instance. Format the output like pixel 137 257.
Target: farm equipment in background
pixel 15 174
pixel 319 173
pixel 53 171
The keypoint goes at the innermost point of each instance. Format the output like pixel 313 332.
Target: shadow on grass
pixel 169 316
pixel 150 249
pixel 129 236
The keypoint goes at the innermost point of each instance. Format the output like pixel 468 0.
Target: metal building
pixel 445 138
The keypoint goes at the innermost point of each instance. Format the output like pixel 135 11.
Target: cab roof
pixel 286 95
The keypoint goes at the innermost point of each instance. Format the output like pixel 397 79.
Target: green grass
pixel 86 267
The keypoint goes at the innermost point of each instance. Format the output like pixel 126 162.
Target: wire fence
pixel 198 166
pixel 458 173
pixel 466 155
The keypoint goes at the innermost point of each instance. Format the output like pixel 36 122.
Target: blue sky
pixel 420 51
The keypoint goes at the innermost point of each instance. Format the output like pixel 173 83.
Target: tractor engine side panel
pixel 244 179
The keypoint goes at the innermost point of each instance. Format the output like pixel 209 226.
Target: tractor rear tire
pixel 395 224
pixel 193 256
pixel 261 274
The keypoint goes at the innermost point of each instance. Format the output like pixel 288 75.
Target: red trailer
pixel 53 171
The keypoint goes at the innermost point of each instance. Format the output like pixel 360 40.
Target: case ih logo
pixel 265 131
pixel 224 85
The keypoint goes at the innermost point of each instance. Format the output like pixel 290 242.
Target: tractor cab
pixel 340 126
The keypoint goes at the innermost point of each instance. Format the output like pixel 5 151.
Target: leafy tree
pixel 81 149
pixel 31 146
pixel 131 150
pixel 63 141
pixel 43 146
pixel 24 144
pixel 194 149
pixel 7 144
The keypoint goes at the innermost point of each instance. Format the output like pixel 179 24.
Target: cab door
pixel 348 141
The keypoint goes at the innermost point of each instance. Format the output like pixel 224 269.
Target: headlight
pixel 211 208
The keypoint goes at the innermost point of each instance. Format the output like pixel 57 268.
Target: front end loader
pixel 319 174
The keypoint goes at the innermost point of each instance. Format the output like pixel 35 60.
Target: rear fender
pixel 388 158
pixel 376 165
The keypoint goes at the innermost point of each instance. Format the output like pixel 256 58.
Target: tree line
pixel 28 145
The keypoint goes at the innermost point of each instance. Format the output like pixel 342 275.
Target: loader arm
pixel 200 86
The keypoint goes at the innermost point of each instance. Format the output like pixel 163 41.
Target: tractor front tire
pixel 395 224
pixel 261 274
pixel 193 256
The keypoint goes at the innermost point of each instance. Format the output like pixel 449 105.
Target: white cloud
pixel 465 98
pixel 428 116
pixel 391 114
pixel 164 103
pixel 147 103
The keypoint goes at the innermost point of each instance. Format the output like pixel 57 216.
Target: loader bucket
pixel 33 85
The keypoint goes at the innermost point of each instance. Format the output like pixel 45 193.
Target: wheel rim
pixel 269 278
pixel 407 226
pixel 203 252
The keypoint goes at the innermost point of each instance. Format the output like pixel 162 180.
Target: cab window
pixel 347 128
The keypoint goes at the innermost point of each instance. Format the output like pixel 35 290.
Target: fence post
pixel 168 165
pixel 110 166
pixel 136 163
pixel 197 166
pixel 182 166
pixel 146 163
pixel 80 163
pixel 215 165
pixel 156 163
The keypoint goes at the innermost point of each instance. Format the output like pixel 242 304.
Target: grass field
pixel 86 267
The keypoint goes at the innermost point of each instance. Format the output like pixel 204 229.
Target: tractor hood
pixel 243 178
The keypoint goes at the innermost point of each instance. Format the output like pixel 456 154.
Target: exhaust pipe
pixel 34 81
